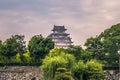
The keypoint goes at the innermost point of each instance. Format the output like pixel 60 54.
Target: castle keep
pixel 60 37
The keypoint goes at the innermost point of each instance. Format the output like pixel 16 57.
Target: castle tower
pixel 60 37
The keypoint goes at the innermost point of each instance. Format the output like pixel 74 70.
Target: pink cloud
pixel 82 18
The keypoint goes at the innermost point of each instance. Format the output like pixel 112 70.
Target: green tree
pixel 39 46
pixel 105 46
pixel 0 43
pixel 3 59
pixel 91 70
pixel 76 51
pixel 94 70
pixel 0 46
pixel 79 70
pixel 57 59
pixel 12 46
pixel 59 64
pixel 8 48
pixel 63 74
pixel 50 65
pixel 20 45
pixel 79 53
pixel 94 45
pixel 17 58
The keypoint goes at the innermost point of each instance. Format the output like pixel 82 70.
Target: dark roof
pixel 59 28
pixel 59 34
pixel 60 37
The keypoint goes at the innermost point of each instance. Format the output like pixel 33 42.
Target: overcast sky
pixel 82 18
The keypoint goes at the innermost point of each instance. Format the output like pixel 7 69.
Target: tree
pixel 8 48
pixel 76 51
pixel 63 74
pixel 50 65
pixel 39 46
pixel 105 46
pixel 0 43
pixel 90 70
pixel 13 45
pixel 94 70
pixel 79 53
pixel 79 70
pixel 0 46
pixel 2 58
pixel 58 60
pixel 60 65
pixel 20 45
pixel 94 45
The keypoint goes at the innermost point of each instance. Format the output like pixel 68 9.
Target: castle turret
pixel 60 37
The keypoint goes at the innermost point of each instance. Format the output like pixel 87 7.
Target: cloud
pixel 82 18
pixel 12 22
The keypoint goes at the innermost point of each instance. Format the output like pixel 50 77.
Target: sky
pixel 82 18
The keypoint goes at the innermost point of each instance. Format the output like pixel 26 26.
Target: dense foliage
pixel 91 70
pixel 73 63
pixel 12 46
pixel 105 46
pixel 39 46
pixel 13 50
pixel 55 60
pixel 60 65
pixel 79 53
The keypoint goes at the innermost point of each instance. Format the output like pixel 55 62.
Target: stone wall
pixel 111 75
pixel 20 73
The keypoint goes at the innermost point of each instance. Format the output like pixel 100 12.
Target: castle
pixel 60 37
